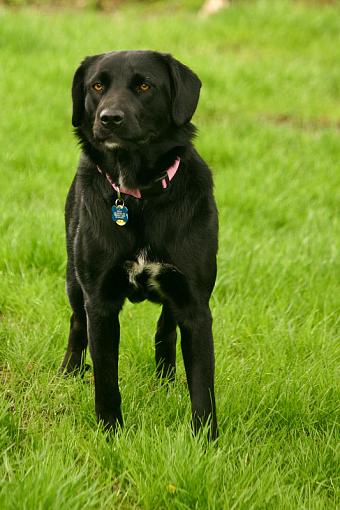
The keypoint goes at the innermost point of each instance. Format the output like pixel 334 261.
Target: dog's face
pixel 128 98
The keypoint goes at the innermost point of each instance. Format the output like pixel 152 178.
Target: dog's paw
pixel 111 422
pixel 70 366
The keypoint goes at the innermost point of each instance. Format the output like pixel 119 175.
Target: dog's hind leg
pixel 165 344
pixel 74 359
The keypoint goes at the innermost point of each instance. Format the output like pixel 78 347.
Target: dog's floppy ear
pixel 186 87
pixel 78 91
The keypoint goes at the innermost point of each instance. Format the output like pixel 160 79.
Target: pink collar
pixel 170 174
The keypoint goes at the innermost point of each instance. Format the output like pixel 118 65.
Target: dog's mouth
pixel 114 142
pixel 110 144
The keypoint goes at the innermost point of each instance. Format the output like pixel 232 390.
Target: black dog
pixel 141 223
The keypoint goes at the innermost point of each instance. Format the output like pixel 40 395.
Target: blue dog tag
pixel 120 213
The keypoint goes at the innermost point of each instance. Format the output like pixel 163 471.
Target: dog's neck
pixel 156 187
pixel 145 163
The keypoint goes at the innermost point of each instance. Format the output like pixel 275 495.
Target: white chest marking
pixel 151 268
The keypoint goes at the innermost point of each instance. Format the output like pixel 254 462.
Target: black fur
pixel 143 133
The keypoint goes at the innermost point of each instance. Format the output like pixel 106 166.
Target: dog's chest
pixel 143 274
pixel 146 278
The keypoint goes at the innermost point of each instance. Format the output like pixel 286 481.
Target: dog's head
pixel 127 98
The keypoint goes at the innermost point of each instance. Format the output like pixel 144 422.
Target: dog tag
pixel 120 213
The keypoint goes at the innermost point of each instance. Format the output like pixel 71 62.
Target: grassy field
pixel 269 124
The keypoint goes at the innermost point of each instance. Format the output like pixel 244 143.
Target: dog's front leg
pixel 198 354
pixel 103 333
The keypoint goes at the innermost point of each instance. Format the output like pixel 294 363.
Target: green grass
pixel 269 126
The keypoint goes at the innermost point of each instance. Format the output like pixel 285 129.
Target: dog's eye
pixel 98 87
pixel 143 87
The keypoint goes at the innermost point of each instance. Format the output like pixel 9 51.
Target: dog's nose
pixel 111 117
